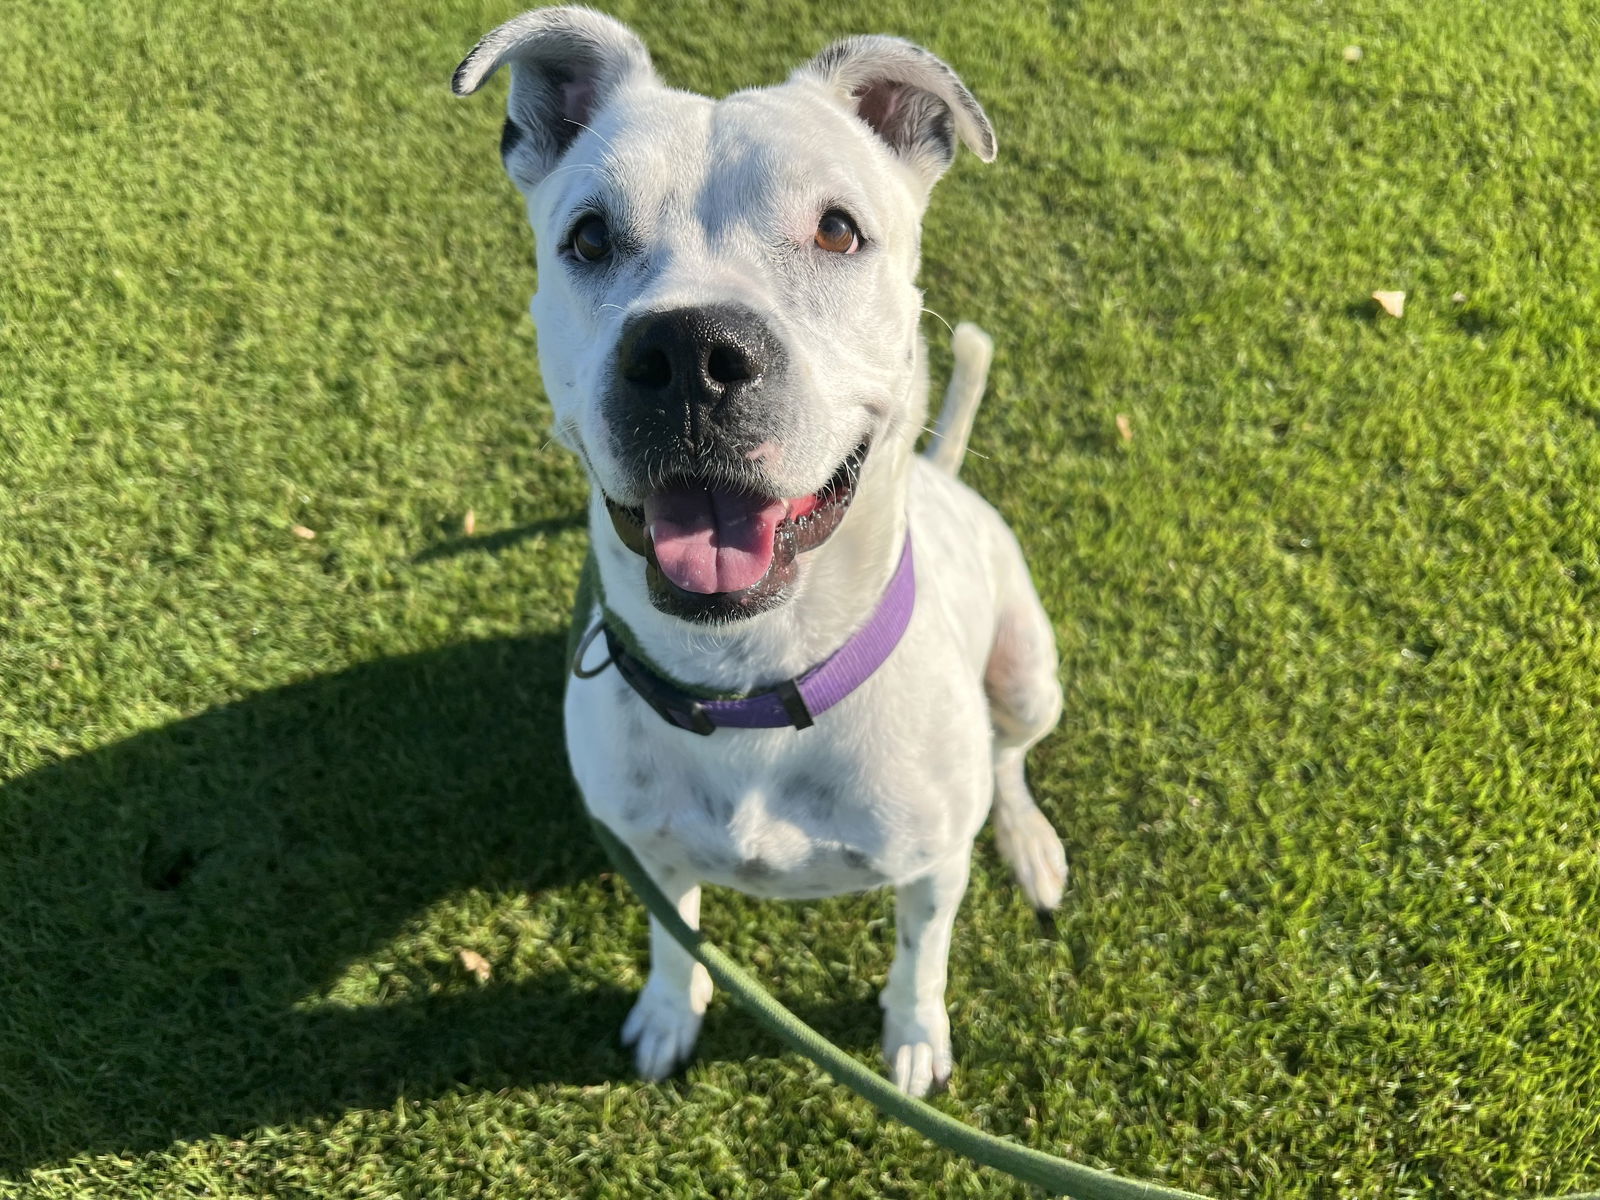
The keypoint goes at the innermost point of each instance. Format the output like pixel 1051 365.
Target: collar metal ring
pixel 583 648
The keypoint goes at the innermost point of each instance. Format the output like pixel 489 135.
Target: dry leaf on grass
pixel 476 965
pixel 1393 303
pixel 300 531
pixel 469 523
pixel 1125 427
pixel 1458 297
pixel 1352 54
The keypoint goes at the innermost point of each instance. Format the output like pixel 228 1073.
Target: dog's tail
pixel 974 349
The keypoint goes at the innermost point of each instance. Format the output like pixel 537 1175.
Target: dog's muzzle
pixel 691 414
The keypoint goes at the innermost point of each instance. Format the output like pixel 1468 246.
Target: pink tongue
pixel 709 540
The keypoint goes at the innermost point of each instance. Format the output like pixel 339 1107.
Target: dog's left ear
pixel 565 63
pixel 909 97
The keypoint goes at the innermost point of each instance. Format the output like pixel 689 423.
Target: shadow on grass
pixel 493 543
pixel 169 903
pixel 169 900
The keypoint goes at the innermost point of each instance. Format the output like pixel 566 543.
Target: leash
pixel 1057 1176
pixel 818 690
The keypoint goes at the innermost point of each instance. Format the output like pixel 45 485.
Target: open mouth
pixel 715 552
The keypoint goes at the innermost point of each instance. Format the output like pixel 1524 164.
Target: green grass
pixel 1328 621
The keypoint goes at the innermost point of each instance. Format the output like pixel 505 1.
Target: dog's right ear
pixel 565 63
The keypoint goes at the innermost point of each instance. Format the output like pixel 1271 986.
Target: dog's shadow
pixel 180 910
pixel 172 900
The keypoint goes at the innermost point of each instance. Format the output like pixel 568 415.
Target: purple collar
pixel 797 702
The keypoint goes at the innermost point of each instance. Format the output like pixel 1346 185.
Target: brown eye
pixel 837 233
pixel 591 240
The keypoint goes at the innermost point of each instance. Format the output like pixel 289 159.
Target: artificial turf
pixel 1327 618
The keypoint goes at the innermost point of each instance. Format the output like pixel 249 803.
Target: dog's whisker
pixel 594 132
pixel 572 168
pixel 941 320
pixel 969 450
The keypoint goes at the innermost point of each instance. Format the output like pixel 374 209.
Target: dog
pixel 812 660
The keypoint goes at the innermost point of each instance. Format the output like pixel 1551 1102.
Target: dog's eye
pixel 837 233
pixel 591 239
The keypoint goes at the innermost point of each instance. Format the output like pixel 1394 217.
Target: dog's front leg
pixel 666 1018
pixel 916 1028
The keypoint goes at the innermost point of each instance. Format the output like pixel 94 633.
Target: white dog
pixel 728 331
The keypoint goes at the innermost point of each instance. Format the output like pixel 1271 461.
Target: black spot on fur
pixel 717 808
pixel 754 868
pixel 510 135
pixel 818 796
pixel 905 938
pixel 632 727
pixel 855 859
pixel 824 801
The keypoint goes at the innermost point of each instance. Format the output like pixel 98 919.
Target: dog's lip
pixel 796 533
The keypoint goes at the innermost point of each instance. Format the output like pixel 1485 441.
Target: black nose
pixel 695 365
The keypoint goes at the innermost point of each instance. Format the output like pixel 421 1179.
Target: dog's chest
pixel 780 813
pixel 799 830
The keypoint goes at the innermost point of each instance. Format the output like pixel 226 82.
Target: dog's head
pixel 727 308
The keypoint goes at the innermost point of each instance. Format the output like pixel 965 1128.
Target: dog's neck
pixel 840 585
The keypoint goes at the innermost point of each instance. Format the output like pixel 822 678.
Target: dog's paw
pixel 664 1023
pixel 1036 856
pixel 917 1051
